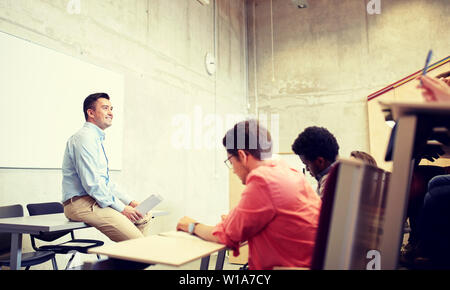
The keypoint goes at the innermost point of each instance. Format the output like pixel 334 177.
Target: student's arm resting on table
pixel 254 211
pixel 251 215
pixel 201 230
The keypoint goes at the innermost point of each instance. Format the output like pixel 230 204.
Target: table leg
pixel 220 259
pixel 205 263
pixel 398 193
pixel 16 251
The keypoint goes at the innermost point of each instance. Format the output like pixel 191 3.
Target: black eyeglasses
pixel 228 162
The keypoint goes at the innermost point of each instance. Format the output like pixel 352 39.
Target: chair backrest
pixel 8 212
pixel 351 218
pixel 325 218
pixel 47 208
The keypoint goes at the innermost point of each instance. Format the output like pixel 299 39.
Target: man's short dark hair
pixel 316 142
pixel 89 102
pixel 365 157
pixel 251 137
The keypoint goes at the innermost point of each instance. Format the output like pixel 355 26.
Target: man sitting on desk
pixel 278 212
pixel 89 195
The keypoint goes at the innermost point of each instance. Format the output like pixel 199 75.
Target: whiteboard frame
pixel 41 104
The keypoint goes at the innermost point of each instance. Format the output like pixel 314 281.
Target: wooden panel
pixel 379 131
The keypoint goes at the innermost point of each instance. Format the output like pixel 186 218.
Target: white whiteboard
pixel 41 104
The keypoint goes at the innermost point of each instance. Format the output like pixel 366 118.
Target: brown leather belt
pixel 70 200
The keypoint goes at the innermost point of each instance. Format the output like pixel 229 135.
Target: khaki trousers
pixel 109 221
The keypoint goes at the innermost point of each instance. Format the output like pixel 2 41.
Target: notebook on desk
pixel 179 234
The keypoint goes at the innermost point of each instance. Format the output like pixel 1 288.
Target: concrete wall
pixel 327 58
pixel 159 46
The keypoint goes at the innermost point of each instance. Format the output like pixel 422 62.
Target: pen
pixel 427 62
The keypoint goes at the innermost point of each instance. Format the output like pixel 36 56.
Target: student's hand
pixel 446 80
pixel 223 217
pixel 131 213
pixel 183 224
pixel 435 90
pixel 134 203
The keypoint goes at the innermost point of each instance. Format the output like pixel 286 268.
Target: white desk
pixel 167 249
pixel 40 223
pixel 414 122
pixel 33 225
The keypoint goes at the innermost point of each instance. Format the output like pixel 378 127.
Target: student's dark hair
pixel 251 137
pixel 316 142
pixel 89 102
pixel 365 157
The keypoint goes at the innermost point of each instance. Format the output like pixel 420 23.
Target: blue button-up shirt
pixel 85 169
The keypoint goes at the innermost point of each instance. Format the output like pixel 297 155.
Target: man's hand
pixel 131 213
pixel 434 90
pixel 201 230
pixel 134 203
pixel 183 224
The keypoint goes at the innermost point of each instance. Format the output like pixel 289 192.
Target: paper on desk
pixel 145 206
pixel 179 234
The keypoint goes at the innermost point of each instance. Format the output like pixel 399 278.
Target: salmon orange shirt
pixel 278 215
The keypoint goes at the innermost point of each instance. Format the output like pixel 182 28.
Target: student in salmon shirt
pixel 278 212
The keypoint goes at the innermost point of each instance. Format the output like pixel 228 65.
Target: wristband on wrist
pixel 191 227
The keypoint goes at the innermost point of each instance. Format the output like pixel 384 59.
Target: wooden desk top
pixel 407 108
pixel 172 250
pixel 39 223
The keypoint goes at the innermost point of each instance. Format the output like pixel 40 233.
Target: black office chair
pixel 318 259
pixel 28 259
pixel 73 246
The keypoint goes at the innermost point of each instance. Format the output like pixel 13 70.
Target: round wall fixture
pixel 210 63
